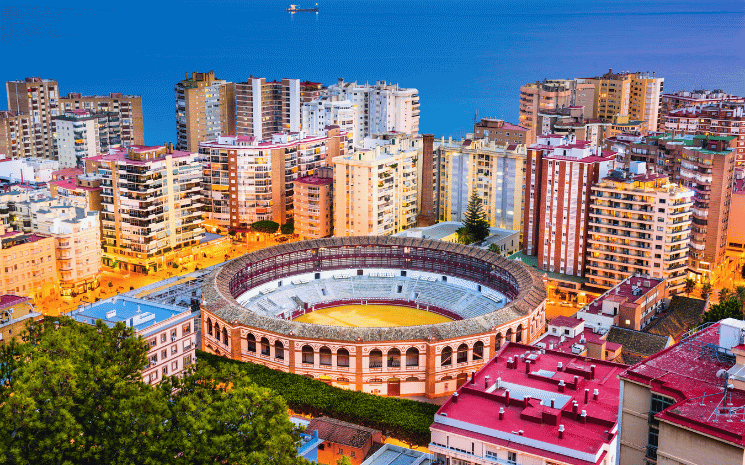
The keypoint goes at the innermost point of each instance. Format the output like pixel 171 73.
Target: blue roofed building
pixel 169 330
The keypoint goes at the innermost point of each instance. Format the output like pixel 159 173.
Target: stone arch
pixel 376 358
pixel 462 353
pixel 250 342
pixel 225 338
pixel 265 347
pixel 412 357
pixel 394 358
pixel 209 326
pixel 342 357
pixel 307 354
pixel 519 333
pixel 324 356
pixel 279 350
pixel 446 356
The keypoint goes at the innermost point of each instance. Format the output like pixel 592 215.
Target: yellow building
pixel 27 264
pixel 15 312
pixel 495 173
pixel 375 189
pixel 622 124
pixel 636 95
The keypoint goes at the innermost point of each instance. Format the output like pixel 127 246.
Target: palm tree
pixel 690 286
pixel 705 290
pixel 725 294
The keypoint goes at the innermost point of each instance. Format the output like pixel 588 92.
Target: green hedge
pixel 403 419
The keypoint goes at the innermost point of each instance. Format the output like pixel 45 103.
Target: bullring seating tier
pixel 463 301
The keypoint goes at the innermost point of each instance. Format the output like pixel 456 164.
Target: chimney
pixel 595 394
pixel 526 401
pixel 527 366
pixel 520 433
pixel 553 402
pixel 455 397
pixel 575 407
pixel 507 397
pixel 587 395
pixel 559 366
pixel 583 417
pixel 576 382
pixel 473 377
pixel 592 371
pixel 561 385
pixel 170 147
pixel 501 413
pixel 499 383
pixel 561 431
pixel 486 381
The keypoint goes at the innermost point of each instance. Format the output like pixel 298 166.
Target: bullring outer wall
pixel 228 326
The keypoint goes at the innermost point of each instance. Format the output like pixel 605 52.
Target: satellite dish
pixel 722 374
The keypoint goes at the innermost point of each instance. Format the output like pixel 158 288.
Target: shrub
pixel 403 419
pixel 287 228
pixel 267 227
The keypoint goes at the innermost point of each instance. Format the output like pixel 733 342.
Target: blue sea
pixel 465 57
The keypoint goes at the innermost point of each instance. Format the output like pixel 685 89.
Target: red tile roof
pixel 8 300
pixel 66 173
pixel 341 432
pixel 566 321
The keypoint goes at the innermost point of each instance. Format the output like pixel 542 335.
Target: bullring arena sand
pixel 369 316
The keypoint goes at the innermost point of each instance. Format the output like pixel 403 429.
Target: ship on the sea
pixel 297 9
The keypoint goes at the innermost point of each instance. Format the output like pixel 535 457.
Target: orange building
pixel 15 312
pixel 27 264
pixel 313 214
pixel 342 439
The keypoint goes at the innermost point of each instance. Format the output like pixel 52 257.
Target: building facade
pixel 317 114
pixel 151 206
pixel 494 173
pixel 27 263
pixel 267 108
pixel 170 331
pixel 635 95
pixel 381 107
pixel 553 95
pixel 81 134
pixel 560 172
pixel 639 223
pixel 15 312
pixel 205 109
pixel 313 205
pixel 38 99
pixel 570 121
pixel 376 189
pixel 127 108
pixel 16 136
pixel 502 133
pixel 248 180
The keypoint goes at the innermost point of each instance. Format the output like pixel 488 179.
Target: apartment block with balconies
pixel 205 109
pixel 127 109
pixel 313 210
pixel 38 99
pixel 151 204
pixel 376 188
pixel 81 134
pixel 15 135
pixel 247 179
pixel 639 224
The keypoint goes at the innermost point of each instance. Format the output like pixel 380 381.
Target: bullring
pixel 425 360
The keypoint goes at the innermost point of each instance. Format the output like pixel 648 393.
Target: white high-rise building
pixel 82 134
pixel 326 111
pixel 381 107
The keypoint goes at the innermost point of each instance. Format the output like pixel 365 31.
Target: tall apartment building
pixel 572 121
pixel 326 111
pixel 39 100
pixel 27 264
pixel 693 99
pixel 81 134
pixel 205 109
pixel 313 204
pixel 16 136
pixel 248 180
pixel 724 119
pixel 310 91
pixel 502 133
pixel 128 108
pixel 553 95
pixel 494 173
pixel 640 223
pixel 267 108
pixel 381 107
pixel 376 189
pixel 151 206
pixel 705 164
pixel 560 172
pixel 636 95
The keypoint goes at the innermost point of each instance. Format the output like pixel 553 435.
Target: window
pixel 478 350
pixel 163 337
pixel 307 354
pixel 264 346
pixel 163 354
pixel 325 356
pixel 462 353
pixel 446 357
pixel 394 358
pixel 376 359
pixel 342 358
pixel 251 343
pixel 512 458
pixel 279 350
pixel 412 357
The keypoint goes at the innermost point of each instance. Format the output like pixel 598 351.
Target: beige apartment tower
pixel 16 136
pixel 636 95
pixel 639 225
pixel 553 95
pixel 313 212
pixel 127 108
pixel 205 109
pixel 38 99
pixel 265 108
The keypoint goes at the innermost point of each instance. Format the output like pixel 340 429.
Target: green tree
pixel 344 461
pixel 474 221
pixel 462 236
pixel 266 227
pixel 690 285
pixel 73 394
pixel 705 290
pixel 742 272
pixel 494 248
pixel 725 294
pixel 727 309
pixel 287 228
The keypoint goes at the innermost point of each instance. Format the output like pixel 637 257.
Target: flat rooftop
pixel 632 289
pixel 523 382
pixel 391 454
pixel 687 372
pixel 532 261
pixel 138 313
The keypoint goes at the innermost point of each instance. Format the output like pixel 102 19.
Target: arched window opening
pixel 376 359
pixel 478 350
pixel 279 350
pixel 394 358
pixel 251 343
pixel 412 357
pixel 308 354
pixel 446 357
pixel 342 358
pixel 265 346
pixel 325 356
pixel 462 353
